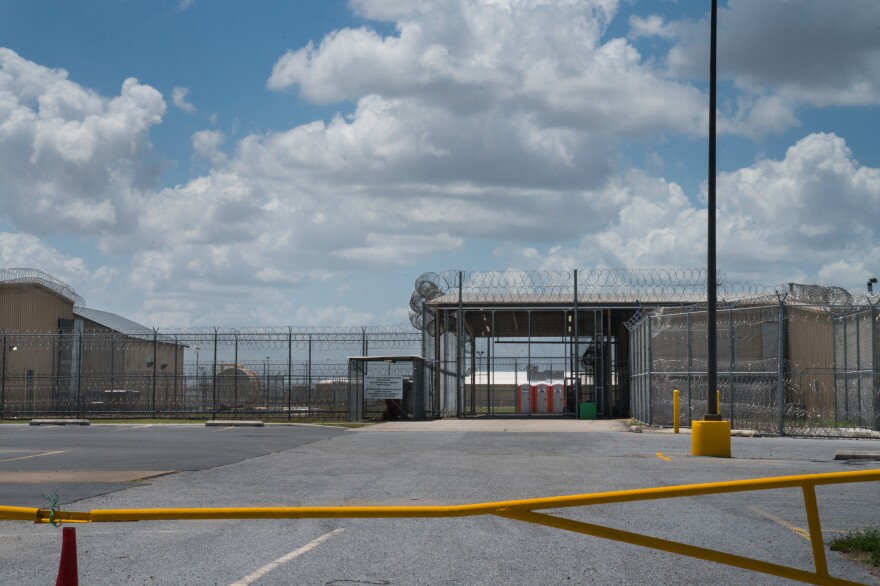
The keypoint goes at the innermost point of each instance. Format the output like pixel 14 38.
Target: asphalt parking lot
pixel 443 462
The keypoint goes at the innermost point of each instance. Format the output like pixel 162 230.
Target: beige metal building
pixel 58 356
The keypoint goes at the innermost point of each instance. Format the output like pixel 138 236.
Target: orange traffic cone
pixel 67 573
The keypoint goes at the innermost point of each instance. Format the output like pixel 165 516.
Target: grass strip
pixel 866 542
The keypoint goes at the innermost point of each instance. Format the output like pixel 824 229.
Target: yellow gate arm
pixel 521 510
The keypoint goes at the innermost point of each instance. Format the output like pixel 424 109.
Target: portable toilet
pixel 542 392
pixel 557 398
pixel 524 398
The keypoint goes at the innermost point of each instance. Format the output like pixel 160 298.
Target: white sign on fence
pixel 383 387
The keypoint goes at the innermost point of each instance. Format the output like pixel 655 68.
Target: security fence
pixel 274 373
pixel 792 366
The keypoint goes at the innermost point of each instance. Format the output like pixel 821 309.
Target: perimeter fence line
pixel 275 373
pixel 788 367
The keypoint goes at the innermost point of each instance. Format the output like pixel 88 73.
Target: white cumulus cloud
pixel 178 98
pixel 811 214
pixel 72 161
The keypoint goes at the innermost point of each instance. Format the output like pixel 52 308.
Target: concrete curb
pixel 60 422
pixel 744 433
pixel 233 423
pixel 844 455
pixel 687 431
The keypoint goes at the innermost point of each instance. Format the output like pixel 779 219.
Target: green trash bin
pixel 586 411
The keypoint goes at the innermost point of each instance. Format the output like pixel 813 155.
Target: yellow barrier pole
pixel 815 530
pixel 675 410
pixel 19 514
pixel 718 401
pixel 489 508
pixel 675 547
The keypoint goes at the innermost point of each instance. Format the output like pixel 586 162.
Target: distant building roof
pixel 114 322
pixel 122 325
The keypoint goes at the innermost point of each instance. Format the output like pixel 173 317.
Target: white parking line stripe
pixel 251 578
pixel 37 455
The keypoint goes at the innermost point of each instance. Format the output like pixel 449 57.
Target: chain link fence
pixel 274 373
pixel 804 364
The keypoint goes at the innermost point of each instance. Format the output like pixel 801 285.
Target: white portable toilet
pixel 542 393
pixel 557 398
pixel 524 398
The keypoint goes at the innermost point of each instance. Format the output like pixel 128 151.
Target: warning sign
pixel 383 387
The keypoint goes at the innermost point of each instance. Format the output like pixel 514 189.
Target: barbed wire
pixel 208 332
pixel 26 276
pixel 639 286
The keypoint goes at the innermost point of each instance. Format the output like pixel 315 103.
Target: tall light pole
pixel 712 270
pixel 711 435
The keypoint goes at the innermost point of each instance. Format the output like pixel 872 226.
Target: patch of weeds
pixel 864 544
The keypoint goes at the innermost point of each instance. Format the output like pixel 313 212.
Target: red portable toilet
pixel 524 398
pixel 542 392
pixel 557 398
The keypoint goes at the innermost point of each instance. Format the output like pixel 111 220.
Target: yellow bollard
pixel 710 438
pixel 675 409
pixel 718 401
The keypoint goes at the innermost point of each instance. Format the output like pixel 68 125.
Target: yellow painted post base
pixel 710 438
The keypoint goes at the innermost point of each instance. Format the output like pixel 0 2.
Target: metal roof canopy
pixel 538 320
pixel 392 359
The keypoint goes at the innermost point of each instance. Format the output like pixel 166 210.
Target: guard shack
pixel 386 388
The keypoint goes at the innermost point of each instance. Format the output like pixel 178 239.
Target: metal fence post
pixel 780 367
pixel 846 367
pixel 857 406
pixel 875 387
pixel 690 362
pixel 732 356
pixel 836 322
pixel 176 374
pixel 235 381
pixel 79 374
pixel 113 361
pixel 3 379
pixel 309 379
pixel 649 360
pixel 576 354
pixel 289 369
pixel 459 344
pixel 214 379
pixel 153 376
pixel 437 400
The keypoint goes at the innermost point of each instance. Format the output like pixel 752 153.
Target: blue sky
pixel 251 163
